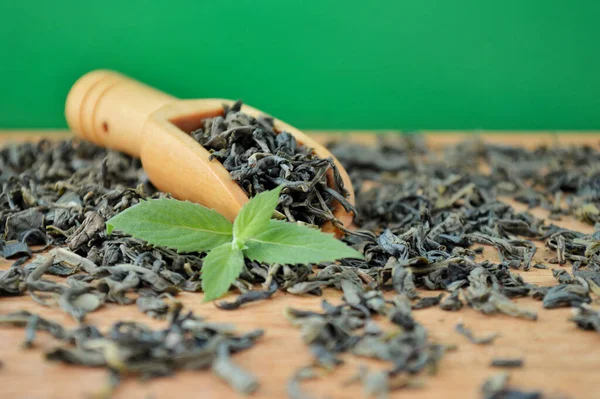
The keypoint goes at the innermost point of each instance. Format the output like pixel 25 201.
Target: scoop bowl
pixel 117 112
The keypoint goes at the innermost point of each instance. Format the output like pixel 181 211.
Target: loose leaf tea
pixel 294 390
pixel 497 387
pixel 260 158
pixel 247 297
pixel 452 303
pixel 133 348
pixel 587 318
pixel 422 217
pixel 566 295
pixel 350 328
pixel 507 363
pixel 488 339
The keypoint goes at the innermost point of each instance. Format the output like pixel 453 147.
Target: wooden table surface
pixel 560 360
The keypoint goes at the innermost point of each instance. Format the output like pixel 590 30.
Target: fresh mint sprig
pixel 188 227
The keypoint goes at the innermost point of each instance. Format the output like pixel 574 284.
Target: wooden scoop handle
pixel 110 109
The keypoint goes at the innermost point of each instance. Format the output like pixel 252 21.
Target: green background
pixel 394 64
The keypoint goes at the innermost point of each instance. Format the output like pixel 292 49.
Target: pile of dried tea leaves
pixel 260 158
pixel 422 216
pixel 426 212
pixel 129 347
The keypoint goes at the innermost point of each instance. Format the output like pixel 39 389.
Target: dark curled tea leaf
pixel 380 383
pixel 539 292
pixel 496 387
pixel 91 226
pixel 31 321
pixel 481 295
pixel 428 302
pixel 30 331
pixel 79 301
pixel 587 318
pixel 152 304
pixel 79 357
pixel 12 281
pixel 135 274
pixel 250 296
pixel 307 287
pixel 403 278
pixel 375 383
pixel 59 269
pixel 562 276
pixel 452 302
pixel 565 295
pixel 13 249
pixel 507 363
pixel 486 340
pixel 509 250
pixel 116 287
pixel 294 391
pixel 238 378
pixel 23 221
pixel 68 259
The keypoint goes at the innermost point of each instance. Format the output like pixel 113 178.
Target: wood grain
pixel 559 358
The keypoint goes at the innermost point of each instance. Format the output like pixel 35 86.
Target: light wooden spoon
pixel 114 111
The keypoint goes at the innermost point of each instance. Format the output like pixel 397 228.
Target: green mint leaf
pixel 180 225
pixel 221 267
pixel 254 216
pixel 292 243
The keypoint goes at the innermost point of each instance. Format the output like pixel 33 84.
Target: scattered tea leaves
pixel 419 214
pixel 133 348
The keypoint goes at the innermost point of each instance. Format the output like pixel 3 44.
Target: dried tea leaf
pixel 428 302
pixel 91 226
pixel 239 379
pixel 586 318
pixel 293 388
pixel 564 295
pixel 507 363
pixel 24 220
pixel 452 303
pixel 485 340
pixel 250 296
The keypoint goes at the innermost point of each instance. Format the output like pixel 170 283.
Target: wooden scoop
pixel 114 111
